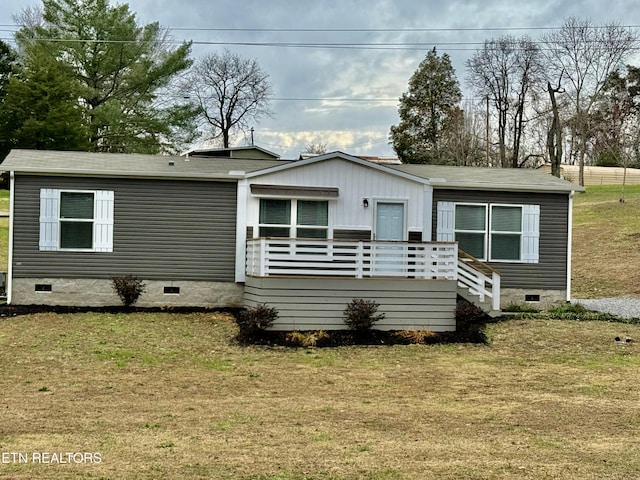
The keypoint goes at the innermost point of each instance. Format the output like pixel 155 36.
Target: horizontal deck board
pixel 318 303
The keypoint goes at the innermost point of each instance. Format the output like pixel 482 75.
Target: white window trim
pixel 293 225
pixel 103 208
pixel 486 206
pixel 491 232
pixel 405 212
pixel 529 234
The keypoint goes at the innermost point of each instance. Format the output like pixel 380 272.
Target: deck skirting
pixel 306 303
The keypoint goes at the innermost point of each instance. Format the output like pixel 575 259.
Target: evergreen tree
pixel 113 74
pixel 433 95
pixel 7 61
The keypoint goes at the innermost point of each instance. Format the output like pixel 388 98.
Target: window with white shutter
pixel 497 232
pixel 76 220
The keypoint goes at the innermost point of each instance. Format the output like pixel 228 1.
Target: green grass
pixel 4 200
pixel 606 237
pixel 172 396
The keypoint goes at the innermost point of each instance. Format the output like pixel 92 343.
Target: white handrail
pixel 479 283
pixel 363 259
pixel 357 259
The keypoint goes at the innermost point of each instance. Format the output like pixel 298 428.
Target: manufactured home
pixel 305 236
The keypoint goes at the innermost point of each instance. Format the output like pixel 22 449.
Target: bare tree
pixel 554 135
pixel 507 71
pixel 581 56
pixel 229 91
pixel 463 136
pixel 316 148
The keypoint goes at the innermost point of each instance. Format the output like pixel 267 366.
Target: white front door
pixel 390 226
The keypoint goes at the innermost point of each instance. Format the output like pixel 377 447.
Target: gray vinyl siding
pixel 163 230
pixel 551 270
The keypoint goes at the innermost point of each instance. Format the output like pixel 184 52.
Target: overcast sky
pixel 376 54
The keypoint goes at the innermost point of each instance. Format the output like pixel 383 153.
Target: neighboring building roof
pixel 251 151
pixel 50 162
pixel 479 178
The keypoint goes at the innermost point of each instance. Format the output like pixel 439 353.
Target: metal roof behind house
pixel 130 165
pixel 522 179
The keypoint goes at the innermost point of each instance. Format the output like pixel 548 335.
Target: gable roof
pixel 51 162
pixel 343 156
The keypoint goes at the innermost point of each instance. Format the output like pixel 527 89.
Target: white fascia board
pixel 341 156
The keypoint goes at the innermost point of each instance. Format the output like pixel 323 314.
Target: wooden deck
pixel 307 303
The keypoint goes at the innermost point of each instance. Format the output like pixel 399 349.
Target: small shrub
pixel 577 311
pixel 255 321
pixel 470 321
pixel 306 339
pixel 129 288
pixel 417 336
pixel 360 315
pixel 521 308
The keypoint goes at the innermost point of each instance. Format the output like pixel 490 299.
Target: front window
pixel 471 229
pixel 275 217
pixel 491 231
pixel 506 232
pixel 76 220
pixel 312 219
pixel 293 218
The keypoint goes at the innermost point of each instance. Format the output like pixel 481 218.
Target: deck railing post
pixel 263 257
pixel 360 260
pixel 495 277
pixel 455 261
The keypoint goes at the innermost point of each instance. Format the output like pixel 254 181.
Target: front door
pixel 389 221
pixel 390 226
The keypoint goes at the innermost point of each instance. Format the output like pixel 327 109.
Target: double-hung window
pixel 292 218
pixel 76 220
pixel 471 229
pixel 491 232
pixel 506 232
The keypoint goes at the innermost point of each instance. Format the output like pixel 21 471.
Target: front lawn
pixel 172 396
pixel 606 242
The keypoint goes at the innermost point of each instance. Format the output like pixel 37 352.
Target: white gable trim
pixel 341 156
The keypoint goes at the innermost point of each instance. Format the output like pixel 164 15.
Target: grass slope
pixel 606 242
pixel 170 396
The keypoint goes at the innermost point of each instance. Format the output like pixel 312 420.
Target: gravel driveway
pixel 626 307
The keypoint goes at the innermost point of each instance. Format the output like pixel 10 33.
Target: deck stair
pixel 478 283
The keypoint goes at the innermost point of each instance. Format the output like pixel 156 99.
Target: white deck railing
pixel 268 257
pixel 357 259
pixel 480 279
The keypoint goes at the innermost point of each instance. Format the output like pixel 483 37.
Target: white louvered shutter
pixel 445 224
pixel 530 233
pixel 49 199
pixel 103 218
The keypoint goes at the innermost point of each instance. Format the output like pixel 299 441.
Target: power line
pixel 366 30
pixel 420 46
